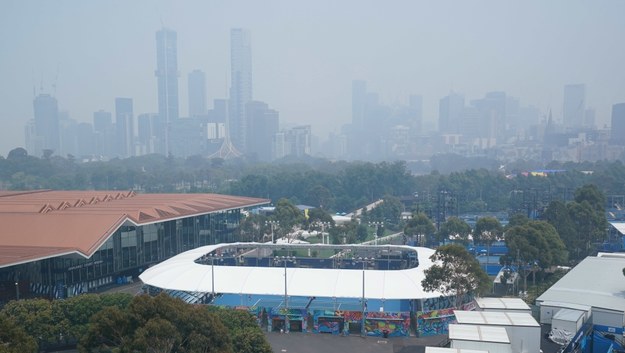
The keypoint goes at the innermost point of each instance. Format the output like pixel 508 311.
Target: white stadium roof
pixel 181 272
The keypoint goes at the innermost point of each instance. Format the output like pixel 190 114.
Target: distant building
pixel 124 124
pixel 149 132
pixel 241 85
pixel 359 100
pixel 294 142
pixel 46 124
pixel 450 113
pixel 617 136
pixel 574 108
pixel 104 134
pixel 197 93
pixel 263 124
pixel 415 105
pixel 167 79
pixel 188 137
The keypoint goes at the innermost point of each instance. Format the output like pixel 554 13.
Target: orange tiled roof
pixel 43 224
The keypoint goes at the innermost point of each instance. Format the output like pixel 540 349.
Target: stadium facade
pixel 372 290
pixel 62 243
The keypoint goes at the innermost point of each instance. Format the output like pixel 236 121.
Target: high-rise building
pixel 46 124
pixel 574 108
pixel 359 102
pixel 450 113
pixel 104 132
pixel 148 132
pixel 263 124
pixel 241 85
pixel 124 123
pixel 167 79
pixel 197 93
pixel 294 142
pixel 617 136
pixel 415 104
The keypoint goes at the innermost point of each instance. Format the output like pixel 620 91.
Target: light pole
pixel 362 301
pixel 323 226
pixel 272 224
pixel 213 257
pixel 377 226
pixel 285 259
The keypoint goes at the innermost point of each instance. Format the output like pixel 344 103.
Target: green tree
pixel 36 317
pixel 456 228
pixel 535 245
pixel 156 324
pixel 455 272
pixel 288 215
pixel 487 230
pixel 245 333
pixel 421 227
pixel 13 339
pixel 389 211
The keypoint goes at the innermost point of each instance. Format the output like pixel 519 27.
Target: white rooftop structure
pixel 478 333
pixel 493 318
pixel 568 315
pixel 597 281
pixel 451 350
pixel 502 304
pixel 181 272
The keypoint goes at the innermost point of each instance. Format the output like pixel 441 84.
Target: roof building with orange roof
pixel 60 243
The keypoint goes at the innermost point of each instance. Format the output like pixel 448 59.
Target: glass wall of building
pixel 128 252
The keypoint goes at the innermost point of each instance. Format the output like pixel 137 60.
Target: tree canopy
pixel 456 228
pixel 156 324
pixel 421 226
pixel 455 272
pixel 487 230
pixel 536 242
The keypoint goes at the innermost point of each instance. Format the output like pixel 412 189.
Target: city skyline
pixel 304 69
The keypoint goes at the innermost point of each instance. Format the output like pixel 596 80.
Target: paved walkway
pixel 314 343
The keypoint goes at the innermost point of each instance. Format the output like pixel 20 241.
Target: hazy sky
pixel 306 53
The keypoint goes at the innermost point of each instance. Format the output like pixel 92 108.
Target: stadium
pixel 372 290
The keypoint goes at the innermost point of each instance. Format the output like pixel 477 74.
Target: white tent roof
pixel 568 315
pixel 181 272
pixel 501 303
pixel 478 333
pixel 619 226
pixel 495 318
pixel 596 281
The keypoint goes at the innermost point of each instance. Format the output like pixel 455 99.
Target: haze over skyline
pixel 306 54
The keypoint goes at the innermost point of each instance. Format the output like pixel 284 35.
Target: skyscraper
pixel 241 85
pixel 450 109
pixel 359 102
pixel 617 136
pixel 167 78
pixel 574 105
pixel 263 124
pixel 46 124
pixel 197 93
pixel 104 130
pixel 124 123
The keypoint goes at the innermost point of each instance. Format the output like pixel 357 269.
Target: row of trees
pixel 333 186
pixel 122 323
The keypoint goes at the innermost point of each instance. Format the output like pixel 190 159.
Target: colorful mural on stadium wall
pixel 387 324
pixel 376 323
pixel 435 322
